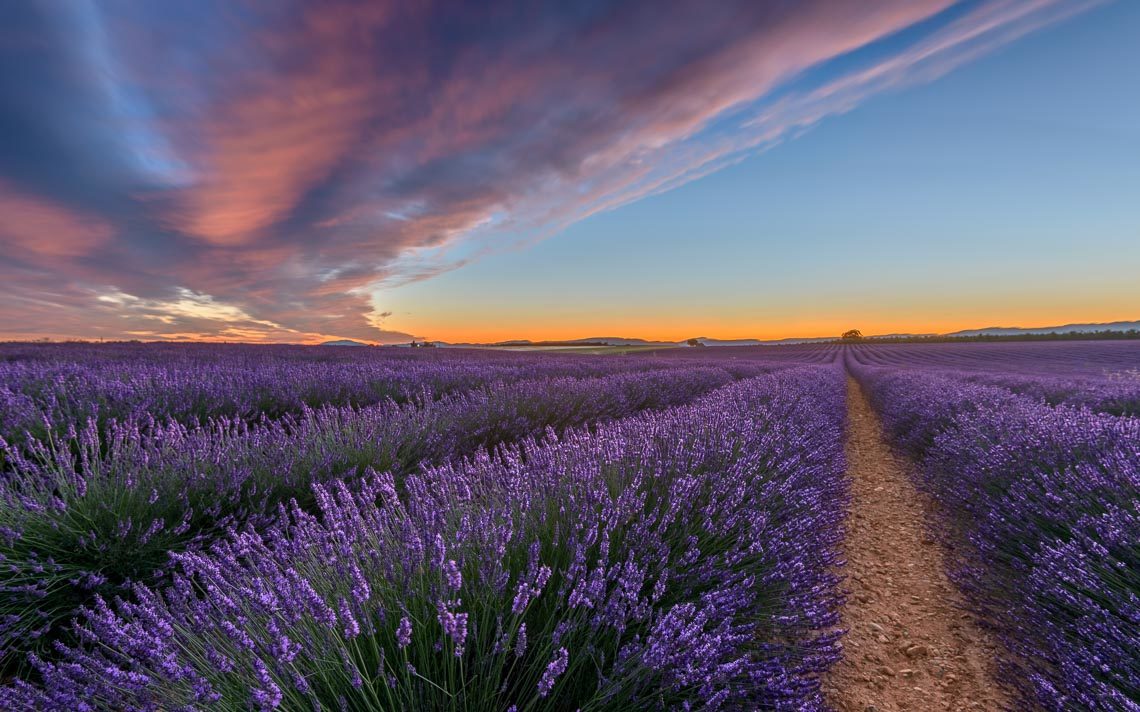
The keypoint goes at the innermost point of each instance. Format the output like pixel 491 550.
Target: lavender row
pixel 44 389
pixel 673 560
pixel 1058 374
pixel 1041 505
pixel 1085 359
pixel 91 513
pixel 1119 395
pixel 789 354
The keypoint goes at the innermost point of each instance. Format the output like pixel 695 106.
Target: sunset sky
pixel 302 171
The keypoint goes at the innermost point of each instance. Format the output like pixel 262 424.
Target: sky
pixel 303 171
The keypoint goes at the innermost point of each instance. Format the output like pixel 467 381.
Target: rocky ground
pixel 911 644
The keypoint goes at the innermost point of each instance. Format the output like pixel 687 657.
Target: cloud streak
pixel 262 175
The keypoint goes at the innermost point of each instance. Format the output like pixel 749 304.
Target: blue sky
pixel 308 171
pixel 1004 192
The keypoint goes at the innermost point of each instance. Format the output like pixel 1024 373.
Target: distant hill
pixel 622 341
pixel 588 341
pixel 1065 329
pixel 344 342
pixel 760 342
pixel 724 342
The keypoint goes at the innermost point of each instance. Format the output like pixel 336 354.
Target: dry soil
pixel 911 644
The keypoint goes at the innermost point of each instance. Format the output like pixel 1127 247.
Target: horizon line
pixel 524 340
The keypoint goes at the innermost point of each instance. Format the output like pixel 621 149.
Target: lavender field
pixel 248 527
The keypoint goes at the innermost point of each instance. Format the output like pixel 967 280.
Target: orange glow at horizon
pixel 666 329
pixel 660 329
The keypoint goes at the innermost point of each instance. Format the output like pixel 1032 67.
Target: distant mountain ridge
pixel 1064 329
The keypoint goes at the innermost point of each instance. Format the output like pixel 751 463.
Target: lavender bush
pixel 675 559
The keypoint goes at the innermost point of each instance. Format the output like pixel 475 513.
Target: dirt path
pixel 910 646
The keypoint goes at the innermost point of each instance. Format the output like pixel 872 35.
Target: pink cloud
pixel 38 228
pixel 279 127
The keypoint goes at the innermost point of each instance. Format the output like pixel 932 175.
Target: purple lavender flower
pixel 452 575
pixel 268 696
pixel 404 633
pixel 554 669
pixel 348 620
pixel 454 626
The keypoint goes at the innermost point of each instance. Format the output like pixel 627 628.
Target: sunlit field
pixel 233 527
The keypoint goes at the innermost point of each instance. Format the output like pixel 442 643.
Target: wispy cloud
pixel 270 170
pixel 36 227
